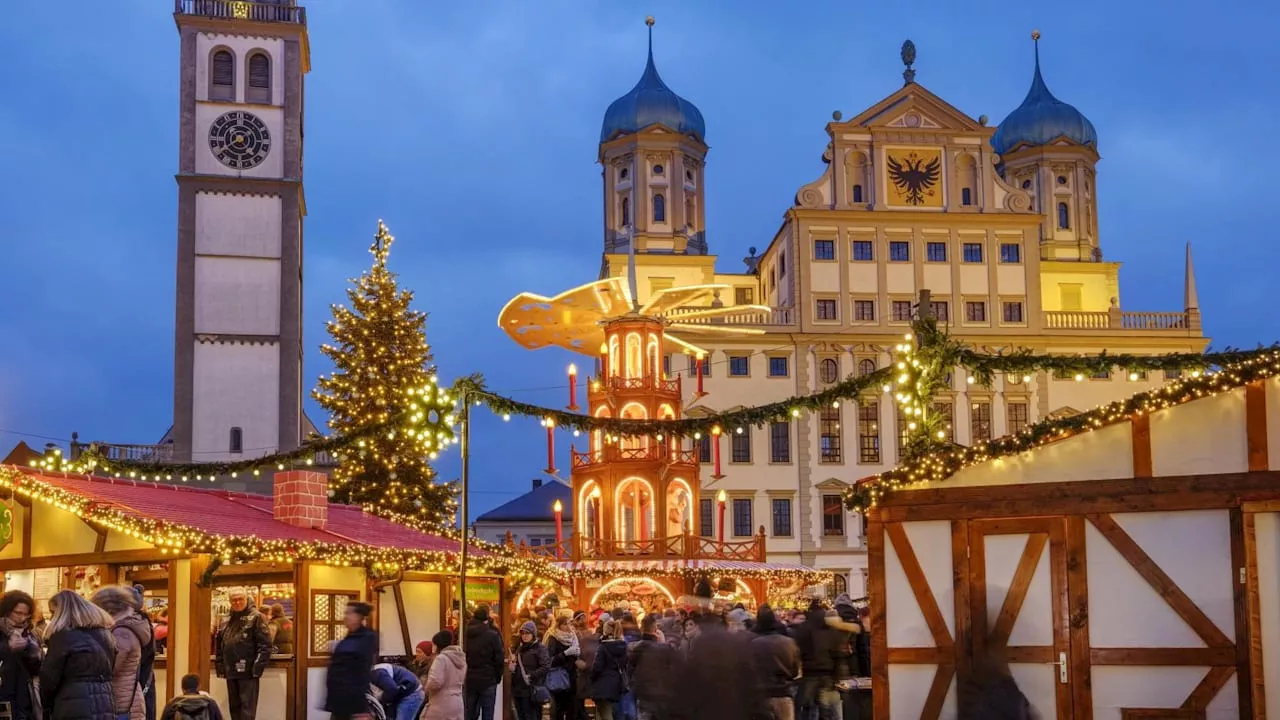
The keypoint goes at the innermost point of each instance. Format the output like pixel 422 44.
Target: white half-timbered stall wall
pixel 1132 571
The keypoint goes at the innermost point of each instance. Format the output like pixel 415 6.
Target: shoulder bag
pixel 538 693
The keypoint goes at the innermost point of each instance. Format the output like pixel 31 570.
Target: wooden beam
pixel 302 634
pixel 919 584
pixel 1208 689
pixel 1030 654
pixel 937 696
pixel 403 618
pixel 200 620
pixel 116 557
pixel 1255 425
pixel 879 611
pixel 1162 657
pixel 1164 586
pixel 1257 685
pixel 919 655
pixel 1017 593
pixel 1240 602
pixel 1159 714
pixel 963 646
pixel 27 516
pixel 1081 675
pixel 176 630
pixel 1243 484
pixel 1141 426
pixel 1061 612
pixel 977 591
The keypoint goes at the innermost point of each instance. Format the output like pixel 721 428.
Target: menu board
pixel 46 584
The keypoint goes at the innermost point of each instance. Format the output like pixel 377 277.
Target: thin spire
pixel 649 22
pixel 1191 300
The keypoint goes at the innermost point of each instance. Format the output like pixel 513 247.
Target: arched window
pixel 966 196
pixel 690 216
pixel 659 208
pixel 237 440
pixel 857 193
pixel 866 366
pixel 626 211
pixel 839 585
pixel 1064 219
pixel 258 89
pixel 828 370
pixel 222 76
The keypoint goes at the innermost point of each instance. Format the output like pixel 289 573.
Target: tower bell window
pixel 624 173
pixel 626 211
pixel 258 89
pixel 966 196
pixel 659 208
pixel 1064 218
pixel 857 193
pixel 222 76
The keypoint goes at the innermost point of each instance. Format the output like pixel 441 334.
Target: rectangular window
pixel 782 517
pixel 1016 414
pixel 904 433
pixel 829 434
pixel 966 196
pixel 327 609
pixel 902 310
pixel 824 249
pixel 693 366
pixel 973 252
pixel 899 251
pixel 832 516
pixel 1172 374
pixel 827 310
pixel 739 366
pixel 979 422
pixel 780 442
pixel 782 265
pixel 1010 253
pixel 975 311
pixel 1070 296
pixel 869 432
pixel 864 310
pixel 744 296
pixel 948 419
pixel 863 250
pixel 1101 375
pixel 707 517
pixel 941 310
pixel 778 367
pixel 740 445
pixel 1138 375
pixel 1013 312
pixel 704 448
pixel 742 517
pixel 936 252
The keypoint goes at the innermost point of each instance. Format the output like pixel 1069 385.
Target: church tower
pixel 238 330
pixel 1049 149
pixel 652 149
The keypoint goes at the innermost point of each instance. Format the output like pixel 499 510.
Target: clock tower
pixel 238 330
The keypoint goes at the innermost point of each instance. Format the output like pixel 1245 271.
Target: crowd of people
pixel 703 663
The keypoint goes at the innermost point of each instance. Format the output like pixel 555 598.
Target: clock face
pixel 239 140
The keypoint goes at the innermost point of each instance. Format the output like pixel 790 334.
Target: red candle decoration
pixel 558 507
pixel 604 362
pixel 715 452
pixel 573 387
pixel 551 445
pixel 721 498
pixel 698 364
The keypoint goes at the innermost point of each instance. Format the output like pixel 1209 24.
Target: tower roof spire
pixel 1191 300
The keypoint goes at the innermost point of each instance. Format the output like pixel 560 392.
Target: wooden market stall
pixel 187 547
pixel 1126 567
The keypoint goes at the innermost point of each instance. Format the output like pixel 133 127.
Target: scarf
pixel 568 638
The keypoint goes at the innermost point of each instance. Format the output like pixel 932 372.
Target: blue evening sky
pixel 471 128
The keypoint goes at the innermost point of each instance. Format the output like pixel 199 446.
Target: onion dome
pixel 1042 118
pixel 651 102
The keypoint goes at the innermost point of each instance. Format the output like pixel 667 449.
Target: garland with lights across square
pixel 177 539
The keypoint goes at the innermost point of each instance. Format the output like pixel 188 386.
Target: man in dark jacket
pixel 241 655
pixel 351 666
pixel 824 657
pixel 776 658
pixel 650 661
pixel 485 666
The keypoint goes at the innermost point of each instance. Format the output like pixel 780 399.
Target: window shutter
pixel 259 71
pixel 224 70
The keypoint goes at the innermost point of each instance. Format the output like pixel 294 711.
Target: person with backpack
pixel 609 680
pixel 192 704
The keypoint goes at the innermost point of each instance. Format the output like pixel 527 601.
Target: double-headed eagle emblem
pixel 914 177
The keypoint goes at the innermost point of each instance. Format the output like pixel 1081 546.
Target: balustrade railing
pixel 134 453
pixel 1118 320
pixel 618 453
pixel 776 316
pixel 278 11
pixel 1154 321
pixel 639 383
pixel 686 546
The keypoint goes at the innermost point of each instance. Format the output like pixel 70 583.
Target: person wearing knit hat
pixel 529 666
pixel 423 653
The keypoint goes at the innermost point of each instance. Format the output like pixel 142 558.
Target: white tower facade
pixel 238 331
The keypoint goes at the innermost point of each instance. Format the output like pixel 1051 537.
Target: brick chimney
pixel 302 498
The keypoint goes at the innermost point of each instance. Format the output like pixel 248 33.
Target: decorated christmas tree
pixel 381 358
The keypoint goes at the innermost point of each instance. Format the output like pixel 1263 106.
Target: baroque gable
pixel 913 106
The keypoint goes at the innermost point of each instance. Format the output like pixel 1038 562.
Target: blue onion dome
pixel 651 102
pixel 1042 118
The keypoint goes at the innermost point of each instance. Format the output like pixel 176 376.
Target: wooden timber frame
pixel 1054 518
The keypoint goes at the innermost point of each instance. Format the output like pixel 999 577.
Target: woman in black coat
pixel 75 679
pixel 609 671
pixel 351 666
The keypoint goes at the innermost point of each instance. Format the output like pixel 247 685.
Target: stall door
pixel 1018 596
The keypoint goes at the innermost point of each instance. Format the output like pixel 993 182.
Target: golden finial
pixel 1035 34
pixel 649 21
